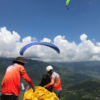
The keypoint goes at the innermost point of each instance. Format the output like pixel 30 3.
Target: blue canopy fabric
pixel 39 43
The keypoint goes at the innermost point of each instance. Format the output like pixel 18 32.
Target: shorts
pixel 9 97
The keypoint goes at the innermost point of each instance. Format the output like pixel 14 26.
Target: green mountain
pixel 36 69
pixel 87 86
pixel 88 90
pixel 91 68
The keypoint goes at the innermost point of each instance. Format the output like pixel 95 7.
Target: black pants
pixel 9 97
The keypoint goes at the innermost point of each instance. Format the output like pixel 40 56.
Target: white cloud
pixel 83 37
pixel 46 40
pixel 93 40
pixel 86 50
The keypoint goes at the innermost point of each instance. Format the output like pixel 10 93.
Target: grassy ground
pixel 21 95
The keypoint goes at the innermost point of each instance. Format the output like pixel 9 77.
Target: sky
pixel 76 32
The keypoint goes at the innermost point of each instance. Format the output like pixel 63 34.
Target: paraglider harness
pixel 45 80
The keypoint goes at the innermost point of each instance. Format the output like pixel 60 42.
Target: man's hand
pixel 45 86
pixel 33 89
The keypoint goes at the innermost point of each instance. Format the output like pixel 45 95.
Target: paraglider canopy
pixel 39 43
pixel 67 3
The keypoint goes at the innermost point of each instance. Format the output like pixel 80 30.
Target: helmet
pixel 48 68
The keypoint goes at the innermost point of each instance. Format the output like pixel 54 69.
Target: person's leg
pixel 9 97
pixel 58 93
pixel 5 97
pixel 14 97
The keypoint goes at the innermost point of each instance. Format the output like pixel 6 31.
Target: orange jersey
pixel 55 81
pixel 11 81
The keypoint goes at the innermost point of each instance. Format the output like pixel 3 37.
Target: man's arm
pixel 51 83
pixel 26 77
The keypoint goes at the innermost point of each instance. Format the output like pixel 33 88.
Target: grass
pixel 21 95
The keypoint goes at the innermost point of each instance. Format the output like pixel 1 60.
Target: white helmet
pixel 48 68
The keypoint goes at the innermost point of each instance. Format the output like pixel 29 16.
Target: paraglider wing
pixel 67 3
pixel 39 43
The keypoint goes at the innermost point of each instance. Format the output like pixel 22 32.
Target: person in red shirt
pixel 11 80
pixel 55 81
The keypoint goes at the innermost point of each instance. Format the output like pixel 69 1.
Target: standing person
pixel 11 81
pixel 55 81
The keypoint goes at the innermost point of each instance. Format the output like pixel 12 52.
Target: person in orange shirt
pixel 55 81
pixel 11 80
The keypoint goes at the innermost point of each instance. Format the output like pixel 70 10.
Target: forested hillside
pixel 36 69
pixel 91 68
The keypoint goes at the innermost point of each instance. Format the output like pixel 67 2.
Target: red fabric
pixel 11 81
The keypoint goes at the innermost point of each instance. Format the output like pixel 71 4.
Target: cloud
pixel 11 44
pixel 46 40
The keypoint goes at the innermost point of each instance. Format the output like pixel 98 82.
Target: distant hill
pixel 91 68
pixel 88 90
pixel 36 69
pixel 87 86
